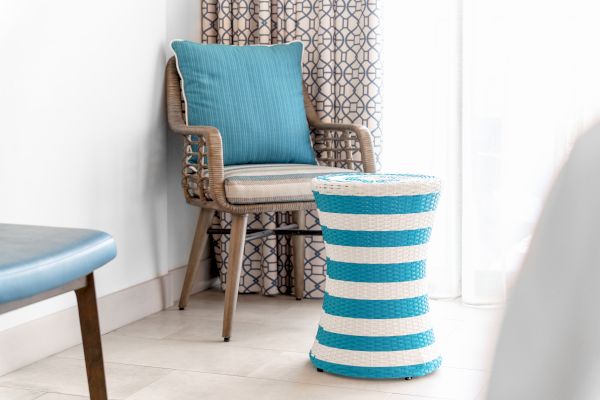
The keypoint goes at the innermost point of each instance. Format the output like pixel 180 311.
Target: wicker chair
pixel 336 145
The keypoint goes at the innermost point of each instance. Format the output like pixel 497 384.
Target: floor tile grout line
pixel 247 347
pixel 151 383
pixel 268 380
pixel 41 392
pixel 333 385
pixel 122 363
pixel 218 321
pixel 191 340
pixel 45 392
pixel 481 370
pixel 71 394
pixel 171 370
pixel 41 395
pixel 28 389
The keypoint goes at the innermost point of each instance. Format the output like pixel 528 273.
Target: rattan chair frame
pixel 337 145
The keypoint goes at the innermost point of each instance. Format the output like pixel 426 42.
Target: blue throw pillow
pixel 252 94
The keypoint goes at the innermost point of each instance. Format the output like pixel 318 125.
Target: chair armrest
pixel 336 145
pixel 203 171
pixel 196 130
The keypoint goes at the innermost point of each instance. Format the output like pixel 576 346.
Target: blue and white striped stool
pixel 375 321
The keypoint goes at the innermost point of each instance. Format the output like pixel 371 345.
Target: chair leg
pixel 298 245
pixel 92 344
pixel 200 241
pixel 234 268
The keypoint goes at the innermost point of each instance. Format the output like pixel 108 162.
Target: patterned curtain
pixel 343 75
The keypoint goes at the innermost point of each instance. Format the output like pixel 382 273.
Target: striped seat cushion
pixel 272 183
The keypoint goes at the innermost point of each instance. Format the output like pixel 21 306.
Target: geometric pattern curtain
pixel 342 71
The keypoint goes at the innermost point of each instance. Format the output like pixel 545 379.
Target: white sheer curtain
pixel 420 120
pixel 489 95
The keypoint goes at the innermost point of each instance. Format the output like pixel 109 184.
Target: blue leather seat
pixel 35 259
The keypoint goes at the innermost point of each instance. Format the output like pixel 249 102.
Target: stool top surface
pixel 357 184
pixel 35 259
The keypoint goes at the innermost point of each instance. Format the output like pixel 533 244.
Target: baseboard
pixel 40 338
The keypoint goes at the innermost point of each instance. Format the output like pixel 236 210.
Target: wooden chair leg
pixel 92 344
pixel 234 268
pixel 298 245
pixel 200 241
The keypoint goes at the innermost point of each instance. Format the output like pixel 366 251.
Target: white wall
pixel 183 22
pixel 83 138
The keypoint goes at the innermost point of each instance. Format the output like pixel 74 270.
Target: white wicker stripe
pixel 382 222
pixel 375 327
pixel 376 255
pixel 375 358
pixel 406 187
pixel 376 290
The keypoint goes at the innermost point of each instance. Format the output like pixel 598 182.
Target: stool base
pixel 403 372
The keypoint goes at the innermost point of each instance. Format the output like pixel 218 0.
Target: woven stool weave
pixel 375 321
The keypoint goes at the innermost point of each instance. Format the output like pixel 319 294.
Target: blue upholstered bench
pixel 38 262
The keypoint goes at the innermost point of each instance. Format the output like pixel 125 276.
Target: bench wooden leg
pixel 298 246
pixel 200 241
pixel 92 344
pixel 234 268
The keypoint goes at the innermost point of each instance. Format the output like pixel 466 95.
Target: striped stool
pixel 375 321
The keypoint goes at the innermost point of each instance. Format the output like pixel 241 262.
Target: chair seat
pixel 272 183
pixel 35 259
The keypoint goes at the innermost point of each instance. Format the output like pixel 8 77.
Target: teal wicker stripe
pixel 352 272
pixel 375 309
pixel 378 372
pixel 253 95
pixel 376 204
pixel 375 343
pixel 412 237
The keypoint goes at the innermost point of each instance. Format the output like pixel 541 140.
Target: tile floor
pixel 180 355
